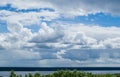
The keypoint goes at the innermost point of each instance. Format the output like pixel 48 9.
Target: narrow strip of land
pixel 59 68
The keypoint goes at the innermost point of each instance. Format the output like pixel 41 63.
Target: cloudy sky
pixel 55 33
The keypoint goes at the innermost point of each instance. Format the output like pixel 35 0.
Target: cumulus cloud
pixel 12 43
pixel 49 43
pixel 77 36
pixel 46 34
pixel 80 45
pixel 58 44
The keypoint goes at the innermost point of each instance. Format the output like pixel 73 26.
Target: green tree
pixel 37 75
pixel 12 74
pixel 30 75
pixel 26 75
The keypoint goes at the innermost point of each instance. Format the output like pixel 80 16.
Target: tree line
pixel 65 73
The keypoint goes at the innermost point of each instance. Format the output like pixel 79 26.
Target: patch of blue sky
pixel 101 19
pixel 10 8
pixel 34 28
pixel 3 27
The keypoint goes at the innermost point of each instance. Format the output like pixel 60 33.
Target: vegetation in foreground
pixel 66 73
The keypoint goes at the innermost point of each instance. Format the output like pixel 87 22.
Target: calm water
pixel 7 73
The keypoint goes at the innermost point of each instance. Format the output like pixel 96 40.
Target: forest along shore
pixel 65 73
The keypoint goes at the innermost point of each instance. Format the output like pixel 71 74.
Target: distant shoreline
pixel 59 68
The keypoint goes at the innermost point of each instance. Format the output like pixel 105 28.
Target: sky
pixel 59 33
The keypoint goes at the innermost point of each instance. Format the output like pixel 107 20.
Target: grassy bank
pixel 65 73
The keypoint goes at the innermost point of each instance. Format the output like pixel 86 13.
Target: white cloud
pixel 85 7
pixel 80 45
pixel 18 35
pixel 77 36
pixel 60 43
pixel 46 34
pixel 29 18
pixel 59 53
pixel 12 43
pixel 96 31
pixel 65 8
pixel 14 26
pixel 112 42
pixel 26 4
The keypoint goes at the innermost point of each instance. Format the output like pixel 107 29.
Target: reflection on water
pixel 7 73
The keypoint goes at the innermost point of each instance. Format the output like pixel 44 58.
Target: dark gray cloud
pixel 91 54
pixel 85 7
